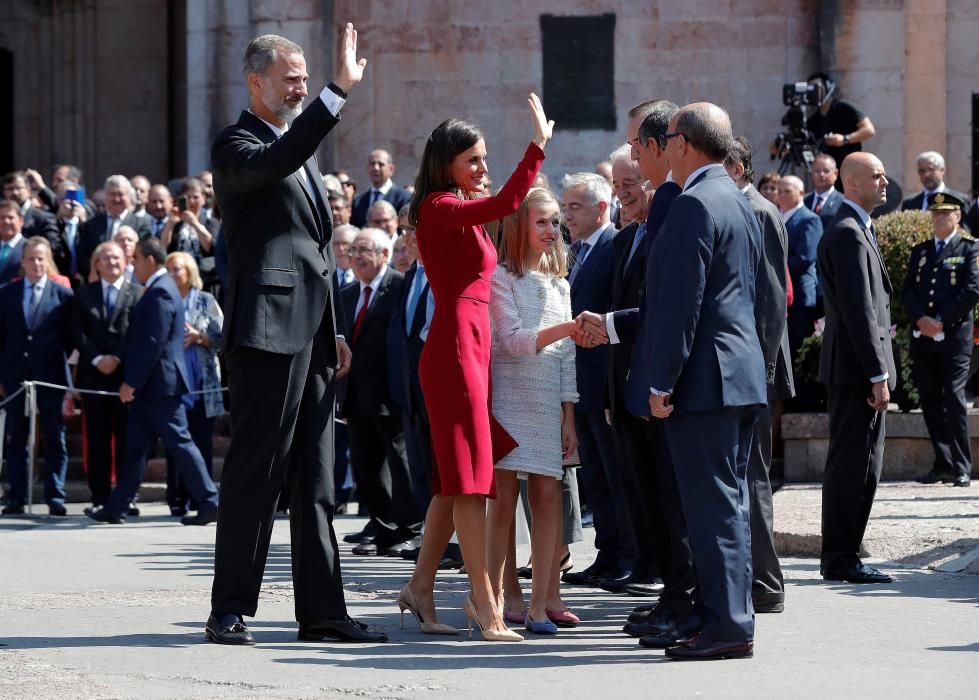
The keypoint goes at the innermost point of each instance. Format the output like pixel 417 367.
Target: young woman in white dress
pixel 534 390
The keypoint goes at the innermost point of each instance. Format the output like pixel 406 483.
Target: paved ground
pixel 92 611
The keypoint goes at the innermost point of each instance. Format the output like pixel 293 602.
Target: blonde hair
pixel 193 272
pixel 513 244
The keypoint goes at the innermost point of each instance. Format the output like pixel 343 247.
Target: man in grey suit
pixel 767 586
pixel 704 367
pixel 856 364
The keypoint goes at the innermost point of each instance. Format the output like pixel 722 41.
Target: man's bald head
pixel 700 134
pixel 864 180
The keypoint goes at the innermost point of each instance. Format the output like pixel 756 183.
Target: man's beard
pixel 279 107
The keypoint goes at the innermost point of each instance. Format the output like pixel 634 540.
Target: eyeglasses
pixel 665 138
pixel 360 250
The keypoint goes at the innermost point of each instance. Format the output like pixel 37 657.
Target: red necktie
pixel 363 312
pixel 819 204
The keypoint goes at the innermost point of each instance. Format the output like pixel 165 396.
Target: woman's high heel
pixel 488 635
pixel 406 601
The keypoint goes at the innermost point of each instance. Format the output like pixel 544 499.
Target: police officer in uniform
pixel 941 290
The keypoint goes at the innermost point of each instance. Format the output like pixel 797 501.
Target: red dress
pixel 455 363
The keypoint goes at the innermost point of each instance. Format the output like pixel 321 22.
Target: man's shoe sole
pixel 214 639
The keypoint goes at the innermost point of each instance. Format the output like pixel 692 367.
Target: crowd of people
pixel 641 323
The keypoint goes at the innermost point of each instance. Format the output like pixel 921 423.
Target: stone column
pixel 925 48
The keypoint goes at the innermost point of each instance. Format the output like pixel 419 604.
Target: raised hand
pixel 350 69
pixel 543 129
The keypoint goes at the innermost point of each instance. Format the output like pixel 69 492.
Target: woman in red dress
pixel 449 209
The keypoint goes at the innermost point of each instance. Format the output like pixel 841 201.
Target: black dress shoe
pixel 450 563
pixel 99 515
pixel 13 509
pixel 613 582
pixel 934 476
pixel 643 586
pixel 656 621
pixel 341 509
pixel 57 510
pixel 597 570
pixel 858 573
pixel 961 480
pixel 201 517
pixel 768 606
pixel 641 613
pixel 178 511
pixel 366 548
pixel 132 510
pixel 359 537
pixel 228 629
pixel 345 630
pixel 679 631
pixel 700 649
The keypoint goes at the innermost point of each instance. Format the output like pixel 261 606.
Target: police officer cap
pixel 943 201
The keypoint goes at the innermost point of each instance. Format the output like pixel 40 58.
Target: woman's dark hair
pixel 450 138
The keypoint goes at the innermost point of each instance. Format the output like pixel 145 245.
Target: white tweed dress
pixel 529 386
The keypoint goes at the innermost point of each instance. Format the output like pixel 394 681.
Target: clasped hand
pixel 590 330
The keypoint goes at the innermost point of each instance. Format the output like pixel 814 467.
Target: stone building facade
pixel 143 85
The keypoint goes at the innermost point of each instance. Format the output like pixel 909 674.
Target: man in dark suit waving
pixel 856 364
pixel 703 364
pixel 282 346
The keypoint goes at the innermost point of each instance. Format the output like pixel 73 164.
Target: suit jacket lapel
pixel 122 299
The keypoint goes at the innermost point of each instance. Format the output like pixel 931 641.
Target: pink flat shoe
pixel 563 618
pixel 517 618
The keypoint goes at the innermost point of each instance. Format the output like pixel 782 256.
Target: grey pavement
pixel 96 611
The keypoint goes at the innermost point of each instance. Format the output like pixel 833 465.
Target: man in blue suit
pixel 702 361
pixel 35 336
pixel 804 230
pixel 585 204
pixel 155 382
pixel 11 240
pixel 825 199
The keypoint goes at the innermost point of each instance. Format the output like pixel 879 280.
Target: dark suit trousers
pixel 768 585
pixel 281 426
pixel 941 380
pixel 52 426
pixel 853 466
pixel 418 447
pixel 600 480
pixel 377 454
pixel 202 433
pixel 650 494
pixel 800 326
pixel 341 461
pixel 164 418
pixel 105 421
pixel 710 458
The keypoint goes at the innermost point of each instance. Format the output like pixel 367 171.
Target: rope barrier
pixel 30 410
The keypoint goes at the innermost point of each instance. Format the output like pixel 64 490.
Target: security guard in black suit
pixel 940 292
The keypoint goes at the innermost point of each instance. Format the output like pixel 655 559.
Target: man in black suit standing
pixel 377 440
pixel 155 381
pixel 99 324
pixel 856 364
pixel 104 226
pixel 380 170
pixel 282 346
pixel 824 199
pixel 702 363
pixel 931 173
pixel 767 586
pixel 940 292
pixel 585 205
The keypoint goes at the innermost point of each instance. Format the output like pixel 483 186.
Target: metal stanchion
pixel 30 409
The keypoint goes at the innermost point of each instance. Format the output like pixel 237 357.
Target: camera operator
pixel 842 126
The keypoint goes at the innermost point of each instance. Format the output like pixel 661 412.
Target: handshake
pixel 589 330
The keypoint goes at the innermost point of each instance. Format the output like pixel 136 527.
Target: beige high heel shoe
pixel 488 635
pixel 406 601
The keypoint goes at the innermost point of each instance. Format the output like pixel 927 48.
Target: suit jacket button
pixel 26 355
pixel 326 273
pixel 30 337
